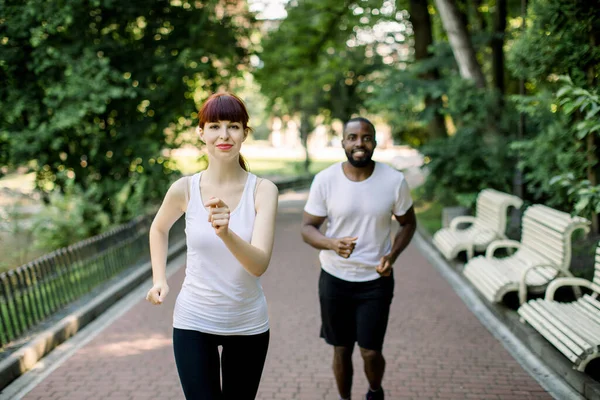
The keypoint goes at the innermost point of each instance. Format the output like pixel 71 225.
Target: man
pixel 358 197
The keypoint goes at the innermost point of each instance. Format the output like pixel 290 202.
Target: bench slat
pixel 561 328
pixel 547 330
pixel 571 314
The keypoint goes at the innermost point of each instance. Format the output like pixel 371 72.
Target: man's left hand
pixel 385 265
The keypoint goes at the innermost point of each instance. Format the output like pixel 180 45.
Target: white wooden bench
pixel 543 253
pixel 488 224
pixel 573 328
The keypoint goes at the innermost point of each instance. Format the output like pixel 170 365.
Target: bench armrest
pixel 523 285
pixel 570 281
pixel 500 244
pixel 463 219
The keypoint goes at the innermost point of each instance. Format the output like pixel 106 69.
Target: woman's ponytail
pixel 243 163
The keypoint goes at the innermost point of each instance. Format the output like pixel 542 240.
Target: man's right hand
pixel 344 246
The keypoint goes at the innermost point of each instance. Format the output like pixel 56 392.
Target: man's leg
pixel 338 327
pixel 374 367
pixel 373 310
pixel 342 369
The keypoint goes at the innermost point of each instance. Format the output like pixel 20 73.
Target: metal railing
pixel 36 290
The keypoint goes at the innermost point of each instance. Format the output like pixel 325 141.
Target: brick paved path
pixel 435 348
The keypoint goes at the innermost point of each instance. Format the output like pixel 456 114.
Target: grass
pixel 285 168
pixel 262 167
pixel 429 213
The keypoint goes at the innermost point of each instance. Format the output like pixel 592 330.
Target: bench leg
pixel 470 253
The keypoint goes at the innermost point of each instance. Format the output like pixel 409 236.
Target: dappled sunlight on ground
pixel 129 346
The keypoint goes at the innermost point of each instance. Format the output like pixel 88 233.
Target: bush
pixel 463 165
pixel 477 156
pixel 68 218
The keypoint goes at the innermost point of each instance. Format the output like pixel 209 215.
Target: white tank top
pixel 218 295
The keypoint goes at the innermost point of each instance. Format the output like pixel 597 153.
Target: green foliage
pixel 317 57
pixel 429 213
pixel 578 102
pixel 584 196
pixel 556 159
pixel 93 91
pixel 400 99
pixel 562 37
pixel 470 106
pixel 68 218
pixel 550 153
pixel 464 164
pixel 477 156
pixel 582 107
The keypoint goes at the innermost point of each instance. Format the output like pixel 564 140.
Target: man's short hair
pixel 362 120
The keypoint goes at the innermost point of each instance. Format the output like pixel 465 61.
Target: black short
pixel 355 311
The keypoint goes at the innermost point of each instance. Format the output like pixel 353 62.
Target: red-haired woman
pixel 230 224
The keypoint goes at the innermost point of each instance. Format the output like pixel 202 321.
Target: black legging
pixel 198 364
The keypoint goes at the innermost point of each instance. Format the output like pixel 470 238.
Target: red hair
pixel 225 107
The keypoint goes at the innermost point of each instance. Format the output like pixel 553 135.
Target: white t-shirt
pixel 363 209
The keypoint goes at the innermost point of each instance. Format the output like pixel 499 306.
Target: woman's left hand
pixel 218 215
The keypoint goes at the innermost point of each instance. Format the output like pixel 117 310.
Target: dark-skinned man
pixel 358 197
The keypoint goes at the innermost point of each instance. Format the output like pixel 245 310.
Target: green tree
pixel 320 59
pixel 561 38
pixel 93 90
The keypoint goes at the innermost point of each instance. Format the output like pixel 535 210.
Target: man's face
pixel 359 143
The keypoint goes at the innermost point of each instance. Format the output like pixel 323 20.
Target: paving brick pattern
pixel 435 348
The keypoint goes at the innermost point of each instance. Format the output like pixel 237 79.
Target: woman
pixel 230 224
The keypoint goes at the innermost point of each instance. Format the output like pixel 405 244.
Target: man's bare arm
pixel 408 226
pixel 313 236
pixel 311 233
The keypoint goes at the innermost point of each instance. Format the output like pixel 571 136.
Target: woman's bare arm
pixel 256 255
pixel 171 209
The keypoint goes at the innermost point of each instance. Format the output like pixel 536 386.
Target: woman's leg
pixel 243 359
pixel 197 359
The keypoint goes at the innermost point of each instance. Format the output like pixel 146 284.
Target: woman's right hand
pixel 157 294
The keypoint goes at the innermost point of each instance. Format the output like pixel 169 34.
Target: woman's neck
pixel 219 172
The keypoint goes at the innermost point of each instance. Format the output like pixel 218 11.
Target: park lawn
pixel 262 167
pixel 285 168
pixel 429 214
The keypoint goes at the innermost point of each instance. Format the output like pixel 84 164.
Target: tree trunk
pixel 461 44
pixel 519 188
pixel 591 173
pixel 305 128
pixel 591 143
pixel 421 22
pixel 498 45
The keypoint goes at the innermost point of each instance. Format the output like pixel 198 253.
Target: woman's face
pixel 223 139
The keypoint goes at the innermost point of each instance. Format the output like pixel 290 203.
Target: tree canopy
pixel 93 90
